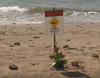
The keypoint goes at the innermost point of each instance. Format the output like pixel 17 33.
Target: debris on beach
pixel 69 48
pixel 14 23
pixel 47 46
pixel 51 56
pixel 32 63
pixel 11 46
pixel 17 43
pixel 65 46
pixel 41 33
pixel 75 63
pixel 36 37
pixel 31 46
pixel 78 65
pixel 95 55
pixel 68 40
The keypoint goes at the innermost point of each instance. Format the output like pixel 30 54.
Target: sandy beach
pixel 32 55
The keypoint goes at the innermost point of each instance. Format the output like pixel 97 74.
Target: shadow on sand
pixel 75 75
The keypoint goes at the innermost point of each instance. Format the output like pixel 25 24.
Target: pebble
pixel 13 67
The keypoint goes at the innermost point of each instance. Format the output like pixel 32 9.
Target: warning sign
pixel 54 22
pixel 53 13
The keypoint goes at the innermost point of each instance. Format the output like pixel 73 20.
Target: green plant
pixel 59 61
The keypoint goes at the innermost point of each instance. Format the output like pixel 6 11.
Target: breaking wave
pixel 33 15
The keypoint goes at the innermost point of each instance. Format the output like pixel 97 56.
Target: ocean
pixel 33 11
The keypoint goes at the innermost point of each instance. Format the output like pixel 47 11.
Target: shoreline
pixel 65 23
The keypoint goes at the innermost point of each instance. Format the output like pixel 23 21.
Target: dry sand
pixel 32 56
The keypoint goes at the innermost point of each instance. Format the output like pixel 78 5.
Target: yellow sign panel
pixel 54 22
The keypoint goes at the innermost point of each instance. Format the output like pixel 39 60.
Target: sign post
pixel 54 23
pixel 54 35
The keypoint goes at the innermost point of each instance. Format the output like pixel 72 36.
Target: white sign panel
pixel 54 22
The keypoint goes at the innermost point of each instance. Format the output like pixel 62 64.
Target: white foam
pixel 78 13
pixel 12 8
pixel 36 18
pixel 91 12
